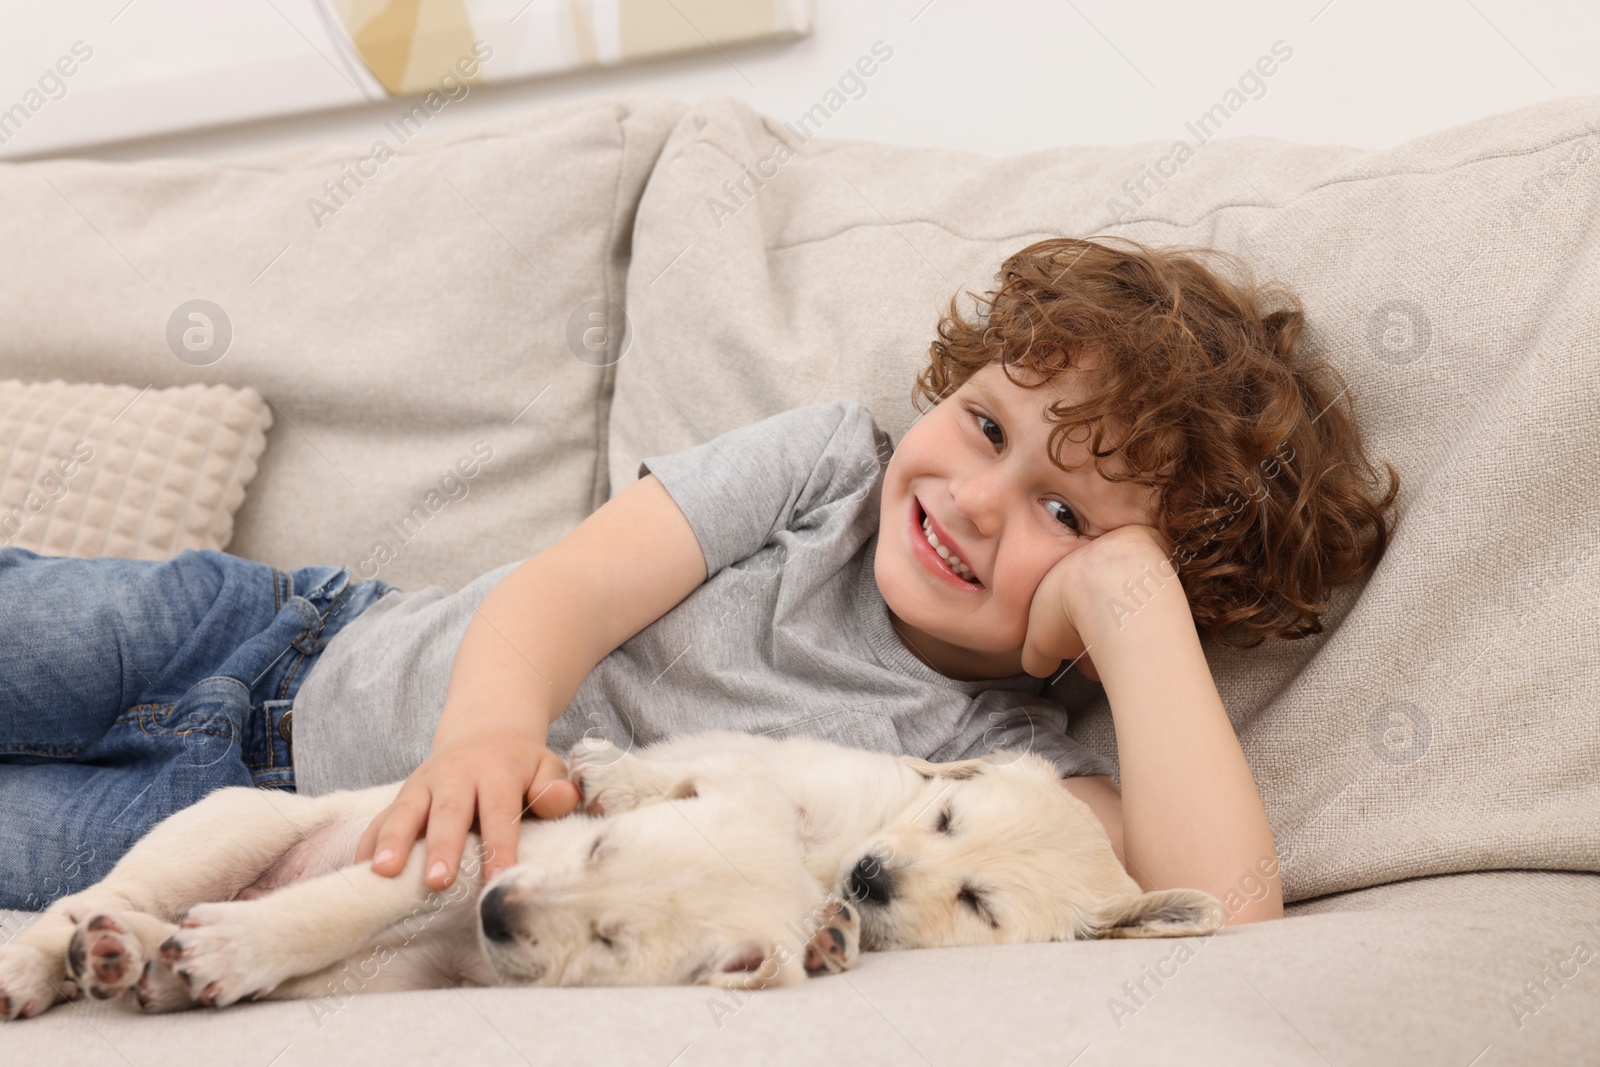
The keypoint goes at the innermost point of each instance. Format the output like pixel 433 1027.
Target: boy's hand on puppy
pixel 1085 580
pixel 497 776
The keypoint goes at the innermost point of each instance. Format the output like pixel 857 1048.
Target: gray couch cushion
pixel 1427 971
pixel 398 338
pixel 1446 719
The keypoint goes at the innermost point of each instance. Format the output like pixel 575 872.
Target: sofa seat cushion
pixel 1434 970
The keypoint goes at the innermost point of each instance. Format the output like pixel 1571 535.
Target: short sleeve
pixel 1030 724
pixel 740 488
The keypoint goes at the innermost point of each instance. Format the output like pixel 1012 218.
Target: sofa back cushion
pixel 1446 718
pixel 403 304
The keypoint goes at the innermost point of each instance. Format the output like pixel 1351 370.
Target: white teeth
pixel 945 554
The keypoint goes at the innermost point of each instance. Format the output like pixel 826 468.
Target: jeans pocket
pixel 280 718
pixel 269 752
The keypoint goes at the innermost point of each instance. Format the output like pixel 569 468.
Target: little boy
pixel 1126 445
pixel 1124 449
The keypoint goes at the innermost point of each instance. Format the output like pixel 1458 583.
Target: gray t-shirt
pixel 789 633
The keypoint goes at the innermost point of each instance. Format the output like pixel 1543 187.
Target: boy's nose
pixel 976 507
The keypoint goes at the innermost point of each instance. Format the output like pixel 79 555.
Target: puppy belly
pixel 324 852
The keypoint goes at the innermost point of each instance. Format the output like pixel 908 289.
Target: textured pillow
pixel 110 470
pixel 1446 719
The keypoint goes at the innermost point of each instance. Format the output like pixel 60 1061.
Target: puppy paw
pixel 604 775
pixel 105 956
pixel 218 955
pixel 160 990
pixel 29 985
pixel 592 750
pixel 837 942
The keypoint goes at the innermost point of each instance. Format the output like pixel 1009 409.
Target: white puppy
pixel 253 894
pixel 982 851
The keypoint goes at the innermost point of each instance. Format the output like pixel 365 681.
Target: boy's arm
pixel 549 622
pixel 1189 812
pixel 522 659
pixel 1100 793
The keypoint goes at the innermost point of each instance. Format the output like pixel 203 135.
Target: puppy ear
pixel 968 768
pixel 958 770
pixel 1164 913
pixel 751 963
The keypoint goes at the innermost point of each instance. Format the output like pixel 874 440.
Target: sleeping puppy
pixel 976 852
pixel 253 893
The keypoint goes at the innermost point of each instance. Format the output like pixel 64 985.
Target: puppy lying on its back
pixel 253 893
pixel 981 851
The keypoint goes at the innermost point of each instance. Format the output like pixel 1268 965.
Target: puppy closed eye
pixel 594 849
pixel 972 899
pixel 594 928
pixel 944 822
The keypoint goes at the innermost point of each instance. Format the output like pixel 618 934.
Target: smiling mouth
pixel 930 558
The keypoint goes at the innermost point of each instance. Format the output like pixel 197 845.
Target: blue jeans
pixel 129 689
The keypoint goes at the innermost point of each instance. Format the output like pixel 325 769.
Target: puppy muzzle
pixel 869 882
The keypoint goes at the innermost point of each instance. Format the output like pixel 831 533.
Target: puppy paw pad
pixel 104 956
pixel 837 942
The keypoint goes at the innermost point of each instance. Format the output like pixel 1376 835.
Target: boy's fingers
pixel 1036 636
pixel 1036 661
pixel 551 795
pixel 1036 664
pixel 401 822
pixel 369 837
pixel 448 821
pixel 499 826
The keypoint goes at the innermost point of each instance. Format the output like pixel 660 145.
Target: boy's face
pixel 978 465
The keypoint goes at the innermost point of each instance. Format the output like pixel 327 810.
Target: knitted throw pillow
pixel 112 470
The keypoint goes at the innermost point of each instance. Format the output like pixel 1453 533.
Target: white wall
pixel 1011 76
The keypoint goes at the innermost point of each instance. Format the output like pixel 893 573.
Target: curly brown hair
pixel 1264 489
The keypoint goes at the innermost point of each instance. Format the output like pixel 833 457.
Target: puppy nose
pixel 869 881
pixel 496 915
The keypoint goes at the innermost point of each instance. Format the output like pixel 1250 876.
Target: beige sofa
pixel 1429 762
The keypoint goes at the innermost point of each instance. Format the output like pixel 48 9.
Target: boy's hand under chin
pixel 1091 575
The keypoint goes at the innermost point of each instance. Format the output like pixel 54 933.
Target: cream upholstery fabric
pixel 1446 720
pixel 111 470
pixel 418 332
pixel 1430 971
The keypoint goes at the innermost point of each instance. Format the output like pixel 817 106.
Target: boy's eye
pixel 1071 519
pixel 1066 516
pixel 982 419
